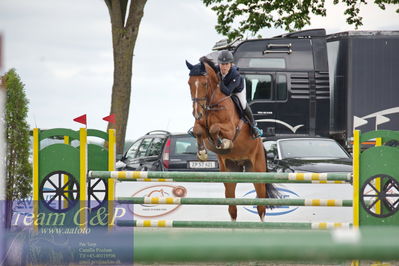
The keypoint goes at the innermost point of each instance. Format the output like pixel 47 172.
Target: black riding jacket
pixel 232 82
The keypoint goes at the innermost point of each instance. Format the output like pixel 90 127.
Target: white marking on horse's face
pixel 196 114
pixel 196 88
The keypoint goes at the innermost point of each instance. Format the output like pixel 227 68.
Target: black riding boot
pixel 257 132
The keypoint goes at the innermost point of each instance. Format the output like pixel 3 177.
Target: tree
pixel 125 22
pixel 251 16
pixel 18 167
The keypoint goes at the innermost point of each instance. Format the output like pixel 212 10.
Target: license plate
pixel 199 164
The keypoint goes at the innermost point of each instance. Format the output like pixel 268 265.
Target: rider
pixel 233 83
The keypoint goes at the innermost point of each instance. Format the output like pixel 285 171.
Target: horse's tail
pixel 271 190
pixel 265 151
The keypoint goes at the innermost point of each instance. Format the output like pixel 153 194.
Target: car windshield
pixel 184 145
pixel 310 148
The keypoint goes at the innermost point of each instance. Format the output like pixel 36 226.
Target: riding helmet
pixel 225 57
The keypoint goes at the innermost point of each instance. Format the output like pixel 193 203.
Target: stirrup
pixel 257 132
pixel 191 132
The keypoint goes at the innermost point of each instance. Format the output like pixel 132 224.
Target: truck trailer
pixel 308 83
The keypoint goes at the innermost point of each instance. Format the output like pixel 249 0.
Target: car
pixel 161 150
pixel 316 155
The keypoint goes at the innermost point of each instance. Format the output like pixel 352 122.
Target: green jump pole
pixel 268 245
pixel 230 201
pixel 235 177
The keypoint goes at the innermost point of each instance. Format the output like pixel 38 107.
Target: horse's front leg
pixel 199 134
pixel 221 142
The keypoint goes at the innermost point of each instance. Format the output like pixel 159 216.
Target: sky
pixel 62 51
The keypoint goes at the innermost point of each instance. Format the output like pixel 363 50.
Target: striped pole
pixel 377 185
pixel 66 178
pixel 356 177
pixel 111 182
pixel 35 177
pixel 225 224
pixel 82 177
pixel 236 177
pixel 231 201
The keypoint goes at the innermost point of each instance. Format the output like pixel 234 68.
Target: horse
pixel 219 128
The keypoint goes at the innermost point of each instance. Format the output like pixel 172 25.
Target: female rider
pixel 233 84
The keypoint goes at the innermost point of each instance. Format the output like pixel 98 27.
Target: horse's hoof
pixel 219 144
pixel 227 144
pixel 202 155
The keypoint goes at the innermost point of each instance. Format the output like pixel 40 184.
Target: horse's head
pixel 203 80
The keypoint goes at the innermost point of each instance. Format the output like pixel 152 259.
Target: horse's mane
pixel 208 61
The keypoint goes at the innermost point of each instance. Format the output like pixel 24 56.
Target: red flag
pixel 110 118
pixel 81 119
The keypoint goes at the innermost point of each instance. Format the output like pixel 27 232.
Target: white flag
pixel 380 119
pixel 357 122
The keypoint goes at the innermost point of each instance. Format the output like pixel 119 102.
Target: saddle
pixel 241 113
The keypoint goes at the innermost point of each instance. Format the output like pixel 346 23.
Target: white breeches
pixel 242 96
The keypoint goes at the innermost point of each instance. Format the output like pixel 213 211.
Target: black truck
pixel 307 83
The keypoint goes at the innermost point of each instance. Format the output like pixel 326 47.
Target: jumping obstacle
pixel 63 167
pixel 376 170
pixel 79 167
pixel 376 208
pixel 230 201
pixel 221 224
pixel 217 177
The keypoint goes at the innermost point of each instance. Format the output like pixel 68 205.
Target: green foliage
pixel 19 170
pixel 239 17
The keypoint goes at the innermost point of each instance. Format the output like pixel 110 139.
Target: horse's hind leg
pixel 230 192
pixel 230 188
pixel 260 189
pixel 261 193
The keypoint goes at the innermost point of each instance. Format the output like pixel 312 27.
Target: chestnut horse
pixel 219 128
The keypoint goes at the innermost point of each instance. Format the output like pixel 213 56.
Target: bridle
pixel 208 105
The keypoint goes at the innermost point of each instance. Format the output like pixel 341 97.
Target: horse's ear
pixel 190 66
pixel 203 70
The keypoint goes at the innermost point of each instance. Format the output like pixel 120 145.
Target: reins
pixel 209 106
pixel 215 106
